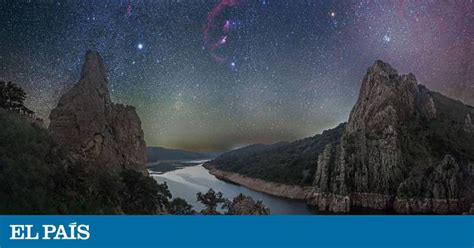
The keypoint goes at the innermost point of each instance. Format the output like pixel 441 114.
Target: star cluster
pixel 214 75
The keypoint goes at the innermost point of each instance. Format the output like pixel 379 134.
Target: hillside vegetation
pixel 34 178
pixel 289 163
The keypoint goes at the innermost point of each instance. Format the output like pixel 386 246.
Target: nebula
pixel 210 42
pixel 215 75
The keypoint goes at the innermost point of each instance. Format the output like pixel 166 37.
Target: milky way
pixel 213 75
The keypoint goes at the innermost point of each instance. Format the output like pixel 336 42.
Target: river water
pixel 186 182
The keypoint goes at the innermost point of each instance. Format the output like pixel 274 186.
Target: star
pixel 223 40
pixel 270 60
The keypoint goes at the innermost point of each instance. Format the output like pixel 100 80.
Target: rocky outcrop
pixel 90 127
pixel 395 151
pixel 438 189
pixel 405 149
pixel 471 211
pixel 468 125
pixel 276 189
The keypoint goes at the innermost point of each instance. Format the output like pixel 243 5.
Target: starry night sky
pixel 215 75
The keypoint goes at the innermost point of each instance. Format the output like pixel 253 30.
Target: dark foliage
pixel 12 98
pixel 142 195
pixel 245 205
pixel 211 200
pixel 84 189
pixel 446 133
pixel 240 205
pixel 290 163
pixel 179 206
pixel 36 179
pixel 24 174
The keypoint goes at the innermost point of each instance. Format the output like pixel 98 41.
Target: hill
pixel 290 163
pixel 155 154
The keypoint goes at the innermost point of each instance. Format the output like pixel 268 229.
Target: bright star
pixel 140 46
pixel 223 40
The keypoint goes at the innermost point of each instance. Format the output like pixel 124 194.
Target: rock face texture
pixel 90 127
pixel 468 125
pixel 404 148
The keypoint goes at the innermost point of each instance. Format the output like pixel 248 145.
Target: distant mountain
pixel 250 150
pixel 154 154
pixel 405 148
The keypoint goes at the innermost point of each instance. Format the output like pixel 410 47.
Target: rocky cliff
pixel 90 127
pixel 404 147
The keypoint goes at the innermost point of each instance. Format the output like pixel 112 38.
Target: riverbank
pixel 293 192
pixel 188 181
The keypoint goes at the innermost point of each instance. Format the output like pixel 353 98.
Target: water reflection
pixel 186 182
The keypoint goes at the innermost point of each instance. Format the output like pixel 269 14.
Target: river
pixel 186 182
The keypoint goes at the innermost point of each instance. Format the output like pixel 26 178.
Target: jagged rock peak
pixel 94 77
pixel 93 68
pixel 385 70
pixel 381 67
pixel 384 97
pixel 89 127
pixel 401 150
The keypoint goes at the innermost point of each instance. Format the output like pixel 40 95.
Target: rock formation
pixel 468 125
pixel 404 148
pixel 471 211
pixel 90 127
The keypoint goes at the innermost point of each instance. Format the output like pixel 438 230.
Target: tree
pixel 12 98
pixel 25 185
pixel 245 205
pixel 179 206
pixel 38 177
pixel 143 195
pixel 211 200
